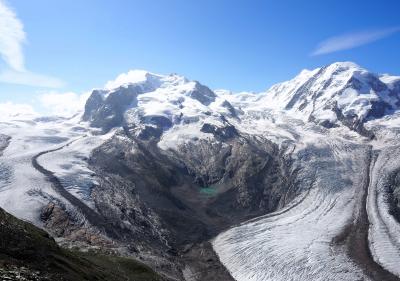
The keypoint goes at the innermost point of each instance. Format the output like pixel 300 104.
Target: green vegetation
pixel 27 250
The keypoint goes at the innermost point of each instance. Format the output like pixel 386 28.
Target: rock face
pixel 193 195
pixel 202 94
pixel 4 141
pixel 106 112
pixel 166 201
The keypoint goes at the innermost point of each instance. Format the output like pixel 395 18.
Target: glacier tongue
pixel 384 229
pixel 296 243
pixel 23 190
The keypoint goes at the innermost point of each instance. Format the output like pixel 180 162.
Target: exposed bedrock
pixel 4 141
pixel 170 201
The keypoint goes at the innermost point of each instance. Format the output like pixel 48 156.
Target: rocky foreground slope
pixel 297 183
pixel 29 253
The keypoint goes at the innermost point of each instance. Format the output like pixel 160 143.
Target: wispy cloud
pixel 352 40
pixel 30 79
pixel 12 38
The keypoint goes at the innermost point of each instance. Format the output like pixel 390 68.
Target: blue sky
pixel 71 46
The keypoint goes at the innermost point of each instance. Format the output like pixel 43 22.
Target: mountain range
pixel 300 182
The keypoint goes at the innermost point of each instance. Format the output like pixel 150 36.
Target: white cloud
pixel 63 104
pixel 352 40
pixel 132 76
pixel 10 110
pixel 59 104
pixel 12 37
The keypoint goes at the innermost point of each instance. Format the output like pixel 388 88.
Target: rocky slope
pixel 29 253
pixel 273 185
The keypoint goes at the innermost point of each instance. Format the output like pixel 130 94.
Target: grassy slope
pixel 24 245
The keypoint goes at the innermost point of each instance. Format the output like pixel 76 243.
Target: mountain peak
pixel 331 69
pixel 132 77
pixel 342 92
pixel 344 65
pixel 161 99
pixel 143 77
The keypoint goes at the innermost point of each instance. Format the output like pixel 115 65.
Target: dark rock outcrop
pixel 4 142
pixel 106 111
pixel 203 94
pixel 221 133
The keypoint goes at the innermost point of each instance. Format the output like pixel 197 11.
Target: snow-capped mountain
pixel 340 93
pixel 215 185
pixel 153 99
pixel 337 94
